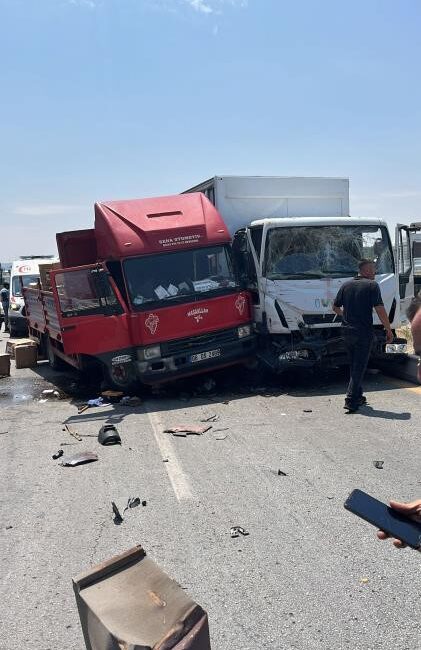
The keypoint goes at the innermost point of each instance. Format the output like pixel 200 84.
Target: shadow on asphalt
pixel 369 412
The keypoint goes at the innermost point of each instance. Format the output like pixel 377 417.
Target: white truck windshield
pixel 178 276
pixel 325 251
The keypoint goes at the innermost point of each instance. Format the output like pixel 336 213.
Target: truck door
pixel 404 267
pixel 89 311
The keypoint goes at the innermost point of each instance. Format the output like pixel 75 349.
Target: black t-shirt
pixel 358 297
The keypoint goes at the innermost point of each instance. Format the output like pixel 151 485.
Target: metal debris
pixel 235 531
pixel 307 410
pixel 79 459
pixel 72 432
pixel 378 464
pixel 211 418
pixel 281 473
pixel 132 502
pixel 118 519
pixel 58 454
pixel 108 435
pixel 184 429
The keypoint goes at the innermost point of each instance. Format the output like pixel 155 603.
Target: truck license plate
pixel 205 355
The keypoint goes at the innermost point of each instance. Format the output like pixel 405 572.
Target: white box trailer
pixel 295 244
pixel 243 199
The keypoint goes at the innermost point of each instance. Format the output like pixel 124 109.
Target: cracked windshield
pixel 325 251
pixel 177 276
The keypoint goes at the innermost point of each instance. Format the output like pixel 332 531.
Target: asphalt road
pixel 310 575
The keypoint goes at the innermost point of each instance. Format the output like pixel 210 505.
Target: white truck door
pixel 404 267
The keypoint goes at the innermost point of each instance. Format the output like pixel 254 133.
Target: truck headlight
pixel 291 355
pixel 14 306
pixel 396 348
pixel 151 352
pixel 243 331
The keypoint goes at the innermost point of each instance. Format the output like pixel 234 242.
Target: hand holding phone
pixel 403 521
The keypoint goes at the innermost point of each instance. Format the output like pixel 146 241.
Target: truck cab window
pixel 77 294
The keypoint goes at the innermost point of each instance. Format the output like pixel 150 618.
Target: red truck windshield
pixel 180 275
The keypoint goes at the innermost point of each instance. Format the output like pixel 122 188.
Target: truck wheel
pixel 121 377
pixel 53 360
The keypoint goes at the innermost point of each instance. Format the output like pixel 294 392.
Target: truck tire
pixel 121 377
pixel 53 360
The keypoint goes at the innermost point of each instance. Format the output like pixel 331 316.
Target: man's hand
pixel 411 510
pixel 389 336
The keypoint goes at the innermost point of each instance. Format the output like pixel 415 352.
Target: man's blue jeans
pixel 358 346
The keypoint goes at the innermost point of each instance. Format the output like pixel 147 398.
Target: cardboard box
pixel 26 356
pixel 12 344
pixel 44 274
pixel 4 365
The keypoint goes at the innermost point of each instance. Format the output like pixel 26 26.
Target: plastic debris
pixel 236 531
pixel 220 437
pixel 50 392
pixel 118 519
pixel 281 473
pixel 130 401
pixel 378 464
pixel 58 454
pixel 108 435
pixel 79 459
pixel 364 581
pixel 98 401
pixel 132 502
pixel 183 430
pixel 307 410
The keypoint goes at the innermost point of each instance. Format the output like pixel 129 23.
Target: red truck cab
pixel 149 293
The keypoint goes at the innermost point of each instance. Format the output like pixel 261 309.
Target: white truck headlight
pixel 396 348
pixel 151 352
pixel 243 331
pixel 14 306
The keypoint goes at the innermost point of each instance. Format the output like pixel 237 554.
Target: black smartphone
pixel 385 518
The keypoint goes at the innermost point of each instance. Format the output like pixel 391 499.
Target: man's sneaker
pixel 362 401
pixel 350 407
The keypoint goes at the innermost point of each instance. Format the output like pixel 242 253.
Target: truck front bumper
pixel 190 361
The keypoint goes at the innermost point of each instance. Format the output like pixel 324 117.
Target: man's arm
pixel 338 310
pixel 381 313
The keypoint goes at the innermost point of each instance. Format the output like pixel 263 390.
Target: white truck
pixel 295 244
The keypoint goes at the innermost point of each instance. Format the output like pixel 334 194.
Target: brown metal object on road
pixel 72 432
pixel 129 603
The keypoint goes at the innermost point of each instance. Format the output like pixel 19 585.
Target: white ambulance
pixel 25 270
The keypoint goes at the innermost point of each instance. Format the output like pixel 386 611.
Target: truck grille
pixel 205 341
pixel 321 319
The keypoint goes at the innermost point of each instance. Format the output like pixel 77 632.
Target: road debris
pixel 364 581
pixel 112 395
pixel 118 519
pixel 165 460
pixel 79 459
pixel 132 502
pixel 58 454
pixel 211 418
pixel 221 437
pixel 72 432
pixel 282 473
pixel 218 430
pixel 184 429
pixel 235 531
pixel 82 409
pixel 98 401
pixel 130 401
pixel 108 435
pixel 50 392
pixel 9 527
pixel 307 410
pixel 378 464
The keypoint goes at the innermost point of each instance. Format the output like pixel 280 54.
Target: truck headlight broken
pixel 151 352
pixel 396 348
pixel 243 331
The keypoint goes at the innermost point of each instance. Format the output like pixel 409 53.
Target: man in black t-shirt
pixel 355 302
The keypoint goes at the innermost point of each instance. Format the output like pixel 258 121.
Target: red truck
pixel 149 294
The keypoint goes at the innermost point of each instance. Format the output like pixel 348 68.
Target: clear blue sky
pixel 103 99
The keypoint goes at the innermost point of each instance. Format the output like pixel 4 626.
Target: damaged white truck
pixel 295 245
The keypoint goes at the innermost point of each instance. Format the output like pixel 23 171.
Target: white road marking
pixel 179 481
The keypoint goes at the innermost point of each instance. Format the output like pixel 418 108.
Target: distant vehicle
pixel 416 254
pixel 24 271
pixel 295 245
